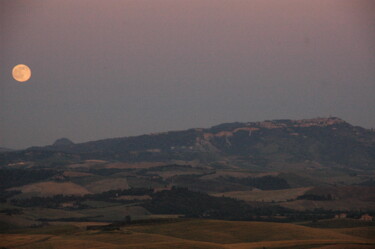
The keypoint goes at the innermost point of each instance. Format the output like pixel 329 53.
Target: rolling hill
pixel 323 142
pixel 285 172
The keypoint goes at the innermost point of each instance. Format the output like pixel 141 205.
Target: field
pixel 190 234
pixel 51 188
pixel 116 213
pixel 107 184
pixel 344 205
pixel 265 195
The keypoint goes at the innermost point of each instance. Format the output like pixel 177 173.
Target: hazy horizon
pixel 153 132
pixel 104 69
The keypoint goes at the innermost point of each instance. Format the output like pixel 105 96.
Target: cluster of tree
pixel 18 177
pixel 185 202
pixel 11 211
pixel 196 204
pixel 196 183
pixel 4 195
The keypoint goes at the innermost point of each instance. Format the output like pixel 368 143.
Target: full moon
pixel 21 73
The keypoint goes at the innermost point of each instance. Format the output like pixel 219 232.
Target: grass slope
pixel 53 188
pixel 265 195
pixel 107 184
pixel 239 231
pixel 200 234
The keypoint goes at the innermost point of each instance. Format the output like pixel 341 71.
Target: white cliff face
pixel 204 144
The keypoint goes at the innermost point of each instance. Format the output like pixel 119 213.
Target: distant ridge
pixel 2 149
pixel 327 141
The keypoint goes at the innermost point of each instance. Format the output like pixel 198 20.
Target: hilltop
pixel 62 142
pixel 2 149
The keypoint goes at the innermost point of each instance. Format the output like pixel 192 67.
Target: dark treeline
pixel 201 205
pixel 195 204
pixel 188 203
pixel 18 177
pixel 4 195
pixel 56 200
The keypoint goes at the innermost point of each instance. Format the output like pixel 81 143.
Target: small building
pixel 366 217
pixel 341 216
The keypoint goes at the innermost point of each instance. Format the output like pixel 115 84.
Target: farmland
pixel 191 233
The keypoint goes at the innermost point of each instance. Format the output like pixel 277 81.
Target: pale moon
pixel 21 73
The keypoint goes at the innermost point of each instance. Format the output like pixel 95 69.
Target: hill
pixel 62 142
pixel 280 170
pixel 328 142
pixel 2 149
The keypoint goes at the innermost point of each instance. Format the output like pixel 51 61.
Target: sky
pixel 103 69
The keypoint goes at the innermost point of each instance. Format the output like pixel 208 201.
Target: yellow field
pixel 238 232
pixel 76 174
pixel 139 165
pixel 17 220
pixel 107 184
pixel 53 188
pixel 329 205
pixel 265 195
pixel 203 234
pixel 363 232
pixel 49 213
pixel 118 212
pixel 238 174
pixel 297 244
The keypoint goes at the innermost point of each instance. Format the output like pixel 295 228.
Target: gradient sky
pixel 111 68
